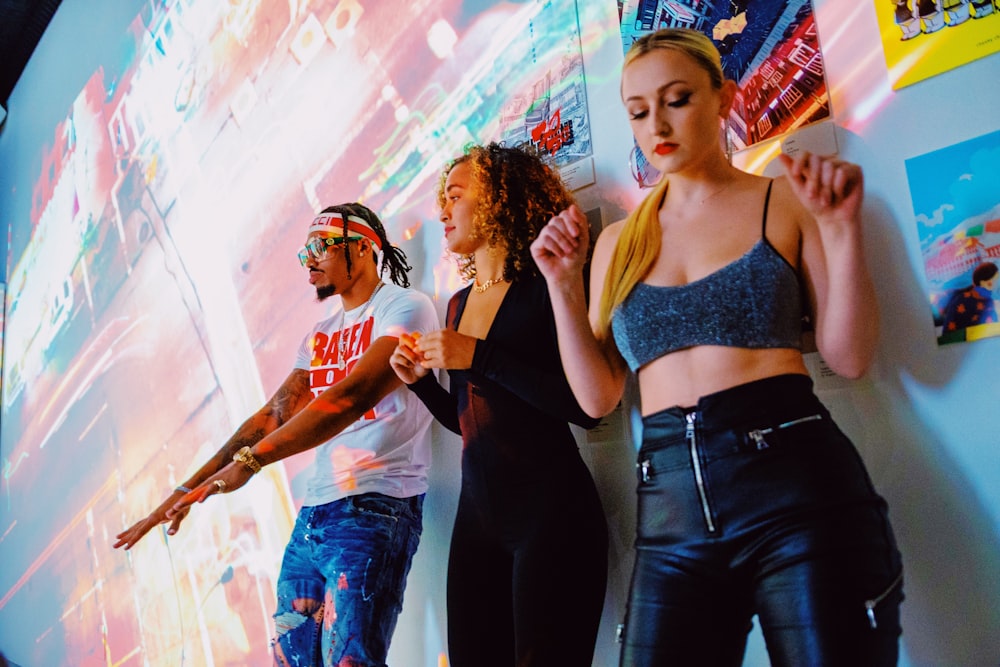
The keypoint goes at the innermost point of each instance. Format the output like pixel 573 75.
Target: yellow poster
pixel 922 38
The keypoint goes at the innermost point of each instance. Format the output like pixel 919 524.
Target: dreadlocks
pixel 393 257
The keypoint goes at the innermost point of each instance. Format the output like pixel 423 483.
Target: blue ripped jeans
pixel 340 590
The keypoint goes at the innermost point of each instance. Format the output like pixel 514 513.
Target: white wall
pixel 925 421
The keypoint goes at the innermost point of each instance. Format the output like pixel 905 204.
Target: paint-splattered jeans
pixel 342 577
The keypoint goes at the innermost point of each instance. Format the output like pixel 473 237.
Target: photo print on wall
pixel 548 109
pixel 922 38
pixel 956 202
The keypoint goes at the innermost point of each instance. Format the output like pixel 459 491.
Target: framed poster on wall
pixel 956 201
pixel 922 38
pixel 548 109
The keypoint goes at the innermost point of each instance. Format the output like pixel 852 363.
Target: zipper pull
pixel 689 432
pixel 644 470
pixel 870 610
pixel 758 439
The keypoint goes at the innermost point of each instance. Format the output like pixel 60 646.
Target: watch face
pixel 246 457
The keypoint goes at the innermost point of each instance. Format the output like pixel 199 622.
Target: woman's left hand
pixel 830 189
pixel 447 349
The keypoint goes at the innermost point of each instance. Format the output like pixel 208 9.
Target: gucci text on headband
pixel 332 223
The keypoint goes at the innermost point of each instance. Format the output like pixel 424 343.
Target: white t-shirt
pixel 388 449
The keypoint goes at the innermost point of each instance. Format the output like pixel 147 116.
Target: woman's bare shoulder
pixel 611 233
pixel 606 241
pixel 784 198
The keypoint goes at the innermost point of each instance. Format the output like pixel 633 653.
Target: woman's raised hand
pixel 829 188
pixel 560 251
pixel 405 360
pixel 446 349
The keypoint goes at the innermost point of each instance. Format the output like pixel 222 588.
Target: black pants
pixel 527 570
pixel 754 502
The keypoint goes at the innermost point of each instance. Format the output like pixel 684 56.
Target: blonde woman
pixel 750 499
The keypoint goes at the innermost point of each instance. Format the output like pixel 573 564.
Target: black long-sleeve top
pixel 512 406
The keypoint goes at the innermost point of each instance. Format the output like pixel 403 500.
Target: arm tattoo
pixel 241 439
pixel 291 397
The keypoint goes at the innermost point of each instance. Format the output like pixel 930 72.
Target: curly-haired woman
pixel 528 562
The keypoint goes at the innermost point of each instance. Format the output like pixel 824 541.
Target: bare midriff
pixel 681 378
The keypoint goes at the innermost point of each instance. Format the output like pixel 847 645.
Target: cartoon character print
pixel 916 17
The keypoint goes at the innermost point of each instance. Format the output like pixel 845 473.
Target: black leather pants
pixel 754 502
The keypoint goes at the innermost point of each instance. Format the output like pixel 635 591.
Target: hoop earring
pixel 728 139
pixel 645 174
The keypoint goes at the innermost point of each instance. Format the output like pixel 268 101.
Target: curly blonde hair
pixel 518 194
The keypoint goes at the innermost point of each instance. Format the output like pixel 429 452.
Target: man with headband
pixel 344 569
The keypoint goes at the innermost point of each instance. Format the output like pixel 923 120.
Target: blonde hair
pixel 695 44
pixel 638 246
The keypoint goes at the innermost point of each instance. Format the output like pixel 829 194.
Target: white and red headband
pixel 332 223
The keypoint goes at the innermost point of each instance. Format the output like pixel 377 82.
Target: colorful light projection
pixel 156 297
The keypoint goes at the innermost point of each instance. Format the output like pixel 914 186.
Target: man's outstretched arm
pixel 292 396
pixel 371 379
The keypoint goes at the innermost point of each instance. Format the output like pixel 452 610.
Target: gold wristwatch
pixel 246 457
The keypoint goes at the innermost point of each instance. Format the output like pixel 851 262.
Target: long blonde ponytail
pixel 633 256
pixel 639 244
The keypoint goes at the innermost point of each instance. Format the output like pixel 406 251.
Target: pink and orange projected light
pixel 155 297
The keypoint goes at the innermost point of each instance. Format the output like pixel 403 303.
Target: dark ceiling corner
pixel 22 23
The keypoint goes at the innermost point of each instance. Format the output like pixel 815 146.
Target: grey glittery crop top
pixel 754 302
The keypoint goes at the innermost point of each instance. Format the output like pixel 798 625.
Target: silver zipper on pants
pixel 696 464
pixel 871 604
pixel 757 435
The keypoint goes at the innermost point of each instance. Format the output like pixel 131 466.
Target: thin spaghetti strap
pixel 763 220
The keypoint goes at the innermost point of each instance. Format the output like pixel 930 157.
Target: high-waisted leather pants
pixel 754 502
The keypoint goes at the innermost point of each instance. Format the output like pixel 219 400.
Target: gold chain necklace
pixel 488 284
pixel 726 183
pixel 342 342
pixel 712 194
